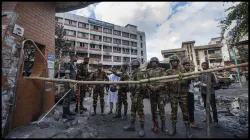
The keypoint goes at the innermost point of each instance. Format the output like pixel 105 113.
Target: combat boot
pixel 118 115
pixel 125 114
pixel 188 132
pixel 142 133
pixel 163 127
pixel 130 127
pixel 102 109
pixel 94 112
pixel 173 131
pixel 155 128
pixel 65 114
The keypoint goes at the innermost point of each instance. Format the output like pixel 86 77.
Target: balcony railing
pixel 106 50
pixel 95 49
pixel 81 48
pixel 95 59
pixel 116 51
pixel 133 53
pixel 126 53
pixel 107 60
pixel 116 60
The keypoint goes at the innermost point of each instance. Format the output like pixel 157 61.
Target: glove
pixel 204 85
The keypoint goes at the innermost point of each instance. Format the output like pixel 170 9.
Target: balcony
pixel 107 60
pixel 95 30
pixel 81 48
pixel 83 28
pixel 116 60
pixel 94 49
pixel 71 35
pixel 82 37
pixel 95 39
pixel 126 53
pixel 70 25
pixel 95 59
pixel 133 53
pixel 126 61
pixel 212 56
pixel 116 51
pixel 107 50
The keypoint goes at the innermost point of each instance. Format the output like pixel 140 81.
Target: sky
pixel 166 24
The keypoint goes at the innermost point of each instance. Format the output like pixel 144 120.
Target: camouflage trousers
pixel 183 101
pixel 68 97
pixel 100 92
pixel 157 100
pixel 122 99
pixel 137 106
pixel 83 89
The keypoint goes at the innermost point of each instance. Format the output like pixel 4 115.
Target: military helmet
pixel 99 65
pixel 113 88
pixel 135 62
pixel 154 59
pixel 174 58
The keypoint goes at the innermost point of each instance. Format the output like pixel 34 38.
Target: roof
pixel 130 25
pixel 173 50
pixel 219 45
pixel 70 6
pixel 216 38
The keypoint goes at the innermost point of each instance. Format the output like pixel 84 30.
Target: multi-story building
pixel 198 54
pixel 103 42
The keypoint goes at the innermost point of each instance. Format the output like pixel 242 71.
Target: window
pixel 141 53
pixel 106 30
pixel 141 38
pixel 196 53
pixel 107 48
pixel 125 50
pixel 95 37
pixel 115 32
pixel 133 36
pixel 142 61
pixel 133 51
pixel 125 34
pixel 96 28
pixel 81 54
pixel 215 60
pixel 81 44
pixel 70 22
pixel 115 58
pixel 83 25
pixel 198 62
pixel 141 45
pixel 134 44
pixel 58 19
pixel 116 49
pixel 95 56
pixel 126 59
pixel 83 35
pixel 95 46
pixel 205 51
pixel 70 32
pixel 217 51
pixel 125 42
pixel 107 39
pixel 117 41
pixel 210 51
pixel 107 57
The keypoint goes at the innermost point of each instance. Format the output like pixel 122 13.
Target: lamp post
pixel 236 63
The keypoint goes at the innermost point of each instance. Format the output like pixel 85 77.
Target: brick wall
pixel 38 21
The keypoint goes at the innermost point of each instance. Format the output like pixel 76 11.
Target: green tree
pixel 238 14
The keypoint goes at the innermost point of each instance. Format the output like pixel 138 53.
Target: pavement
pixel 87 126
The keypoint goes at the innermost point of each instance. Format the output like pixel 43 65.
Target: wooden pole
pixel 133 82
pixel 208 96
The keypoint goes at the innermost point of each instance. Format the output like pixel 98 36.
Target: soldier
pixel 82 74
pixel 99 75
pixel 137 96
pixel 157 96
pixel 178 93
pixel 70 73
pixel 122 92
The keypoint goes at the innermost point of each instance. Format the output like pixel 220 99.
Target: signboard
pixel 18 30
pixel 51 64
pixel 51 57
pixel 101 23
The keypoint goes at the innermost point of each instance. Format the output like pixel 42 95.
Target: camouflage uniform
pixel 157 96
pixel 178 93
pixel 122 95
pixel 82 75
pixel 137 96
pixel 99 88
pixel 71 69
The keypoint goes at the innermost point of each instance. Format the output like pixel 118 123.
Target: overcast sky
pixel 166 24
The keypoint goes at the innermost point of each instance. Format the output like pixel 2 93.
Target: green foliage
pixel 239 14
